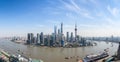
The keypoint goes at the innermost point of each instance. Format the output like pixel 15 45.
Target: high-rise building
pixel 58 31
pixel 75 33
pixel 30 38
pixel 78 38
pixel 51 39
pixel 67 36
pixel 41 38
pixel 45 40
pixel 48 40
pixel 71 38
pixel 59 36
pixel 61 28
pixel 38 38
pixel 55 34
pixel 34 40
pixel 61 31
pixel 62 41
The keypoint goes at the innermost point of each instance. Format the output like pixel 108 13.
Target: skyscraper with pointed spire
pixel 62 41
pixel 61 31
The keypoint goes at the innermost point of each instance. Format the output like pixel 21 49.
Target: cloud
pixel 112 22
pixel 74 7
pixel 114 11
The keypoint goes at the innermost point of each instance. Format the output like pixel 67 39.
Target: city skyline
pixel 93 18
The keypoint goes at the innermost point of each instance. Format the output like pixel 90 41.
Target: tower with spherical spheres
pixel 75 33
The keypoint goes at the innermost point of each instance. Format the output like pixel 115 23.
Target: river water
pixel 56 54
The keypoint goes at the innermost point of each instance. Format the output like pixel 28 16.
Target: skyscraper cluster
pixel 57 38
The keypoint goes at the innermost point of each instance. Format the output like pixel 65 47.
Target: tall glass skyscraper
pixel 41 38
pixel 30 38
pixel 67 36
pixel 38 38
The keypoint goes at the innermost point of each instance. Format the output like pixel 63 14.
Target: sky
pixel 93 17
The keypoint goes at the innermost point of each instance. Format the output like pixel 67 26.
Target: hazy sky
pixel 93 17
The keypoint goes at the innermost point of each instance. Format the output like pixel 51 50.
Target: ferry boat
pixel 95 57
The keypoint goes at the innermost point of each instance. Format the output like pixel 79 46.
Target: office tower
pixel 41 38
pixel 67 36
pixel 62 41
pixel 30 38
pixel 71 38
pixel 48 40
pixel 83 41
pixel 75 33
pixel 58 36
pixel 78 38
pixel 34 40
pixel 58 31
pixel 61 31
pixel 38 38
pixel 55 34
pixel 61 28
pixel 51 39
pixel 45 40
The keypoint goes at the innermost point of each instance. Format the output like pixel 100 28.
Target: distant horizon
pixel 94 18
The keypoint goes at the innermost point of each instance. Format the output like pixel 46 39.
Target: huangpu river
pixel 48 54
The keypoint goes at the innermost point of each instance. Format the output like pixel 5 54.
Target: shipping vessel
pixel 95 57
